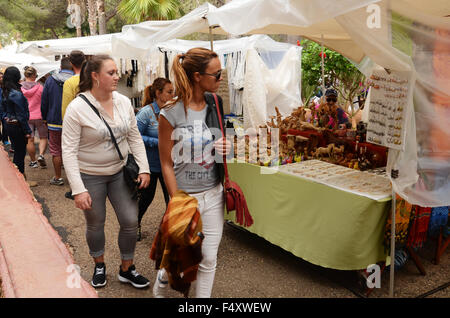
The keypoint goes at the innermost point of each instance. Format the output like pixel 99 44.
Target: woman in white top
pixel 93 166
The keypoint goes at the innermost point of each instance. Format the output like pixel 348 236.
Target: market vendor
pixel 331 100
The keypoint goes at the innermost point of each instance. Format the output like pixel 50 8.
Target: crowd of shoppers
pixel 85 123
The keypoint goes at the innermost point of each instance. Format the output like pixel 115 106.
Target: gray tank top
pixel 194 165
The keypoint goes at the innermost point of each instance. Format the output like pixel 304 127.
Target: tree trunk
pixel 75 9
pixel 101 17
pixel 55 35
pixel 92 16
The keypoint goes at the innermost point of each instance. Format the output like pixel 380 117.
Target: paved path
pixel 33 259
pixel 248 266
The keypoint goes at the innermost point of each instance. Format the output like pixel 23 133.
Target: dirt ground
pixel 248 265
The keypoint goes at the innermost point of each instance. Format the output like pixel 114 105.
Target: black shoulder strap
pixel 109 128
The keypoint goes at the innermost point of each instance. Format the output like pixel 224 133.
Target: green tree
pixel 136 11
pixel 28 20
pixel 339 73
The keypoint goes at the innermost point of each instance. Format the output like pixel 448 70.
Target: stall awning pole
pixel 394 175
pixel 323 68
pixel 211 38
pixel 391 280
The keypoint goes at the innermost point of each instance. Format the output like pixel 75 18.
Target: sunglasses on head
pixel 331 99
pixel 216 75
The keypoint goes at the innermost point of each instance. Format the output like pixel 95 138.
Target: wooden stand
pixel 441 246
pixel 416 260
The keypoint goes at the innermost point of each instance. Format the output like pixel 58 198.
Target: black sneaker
pixel 42 162
pixel 133 277
pixel 99 277
pixel 69 195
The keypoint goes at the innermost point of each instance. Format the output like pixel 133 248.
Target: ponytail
pixel 150 91
pixel 89 66
pixel 183 85
pixel 183 68
pixel 84 78
pixel 148 98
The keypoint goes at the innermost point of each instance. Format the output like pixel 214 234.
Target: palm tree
pixel 135 11
pixel 101 16
pixel 92 16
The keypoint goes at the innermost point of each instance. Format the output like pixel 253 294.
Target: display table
pixel 318 223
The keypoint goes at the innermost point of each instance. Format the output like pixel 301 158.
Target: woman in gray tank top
pixel 188 152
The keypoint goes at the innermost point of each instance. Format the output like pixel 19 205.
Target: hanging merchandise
pixel 403 210
pixel 232 55
pixel 266 88
pixel 139 78
pixel 438 219
pixel 420 218
pixel 166 65
pixel 236 69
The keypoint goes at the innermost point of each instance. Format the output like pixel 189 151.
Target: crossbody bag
pixel 131 169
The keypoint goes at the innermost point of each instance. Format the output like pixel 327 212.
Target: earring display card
pixel 364 183
pixel 389 100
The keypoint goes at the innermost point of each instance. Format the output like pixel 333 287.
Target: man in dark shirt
pixel 51 113
pixel 331 99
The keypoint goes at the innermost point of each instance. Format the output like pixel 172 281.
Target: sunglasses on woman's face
pixel 216 75
pixel 331 99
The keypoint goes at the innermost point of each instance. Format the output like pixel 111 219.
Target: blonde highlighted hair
pixel 183 68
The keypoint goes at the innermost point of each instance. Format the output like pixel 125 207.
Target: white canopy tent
pixel 135 41
pixel 9 57
pixel 310 19
pixel 89 45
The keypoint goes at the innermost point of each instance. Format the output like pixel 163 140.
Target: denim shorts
pixel 40 126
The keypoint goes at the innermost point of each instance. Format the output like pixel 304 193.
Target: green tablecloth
pixel 320 224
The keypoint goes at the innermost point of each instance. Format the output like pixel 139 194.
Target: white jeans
pixel 211 207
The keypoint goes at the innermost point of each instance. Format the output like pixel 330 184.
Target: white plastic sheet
pixel 89 45
pixel 266 88
pixel 311 19
pixel 420 44
pixel 8 57
pixel 426 39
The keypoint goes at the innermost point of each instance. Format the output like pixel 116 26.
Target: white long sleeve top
pixel 86 143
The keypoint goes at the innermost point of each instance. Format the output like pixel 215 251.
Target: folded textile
pixel 420 218
pixel 177 245
pixel 438 219
pixel 402 219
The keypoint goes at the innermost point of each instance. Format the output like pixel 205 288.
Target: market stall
pixel 410 40
pixel 404 45
pixel 345 28
pixel 331 226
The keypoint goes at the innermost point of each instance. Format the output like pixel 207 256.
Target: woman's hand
pixel 222 146
pixel 83 201
pixel 143 180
